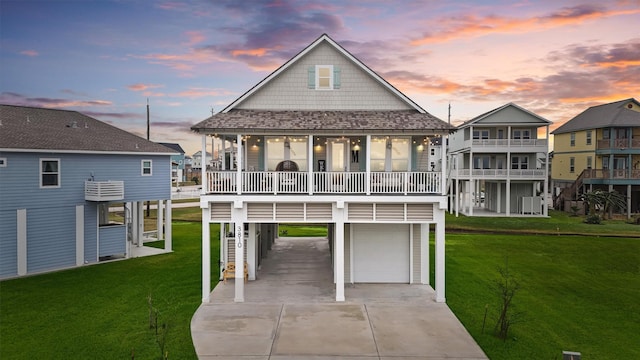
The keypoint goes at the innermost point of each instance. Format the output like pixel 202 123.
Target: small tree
pixel 507 286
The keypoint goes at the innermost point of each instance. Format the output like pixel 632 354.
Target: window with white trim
pixel 572 165
pixel 49 173
pixel 521 134
pixel 3 162
pixel 480 134
pixel 147 168
pixel 390 154
pixel 589 137
pixel 287 148
pixel 324 77
pixel 572 139
pixel 519 163
pixel 481 162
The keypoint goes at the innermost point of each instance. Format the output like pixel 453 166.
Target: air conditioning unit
pixel 571 355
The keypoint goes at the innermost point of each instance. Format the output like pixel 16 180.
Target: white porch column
pixel 339 251
pixel 238 222
pixel 204 182
pixel 21 232
pixel 499 197
pixel 239 160
pixel 310 179
pixel 444 181
pixel 457 197
pixel 425 272
pixel 507 208
pixel 439 248
pixel 251 251
pixel 80 235
pixel 206 255
pixel 472 195
pixel 160 220
pixel 168 241
pixel 367 165
pixel 545 206
pixel 223 249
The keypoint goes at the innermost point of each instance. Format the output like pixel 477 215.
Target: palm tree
pixel 604 201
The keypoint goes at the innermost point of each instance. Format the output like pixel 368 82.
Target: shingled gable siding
pixel 290 90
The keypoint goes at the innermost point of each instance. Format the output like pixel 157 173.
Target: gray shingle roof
pixel 607 115
pixel 29 128
pixel 321 122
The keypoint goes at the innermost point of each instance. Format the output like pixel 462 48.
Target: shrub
pixel 593 219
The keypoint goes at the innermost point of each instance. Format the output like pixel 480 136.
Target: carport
pixel 290 312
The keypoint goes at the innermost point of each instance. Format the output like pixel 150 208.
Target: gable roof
pixel 488 114
pixel 309 48
pixel 606 115
pixel 235 119
pixel 33 129
pixel 173 146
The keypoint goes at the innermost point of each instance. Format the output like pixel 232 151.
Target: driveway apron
pixel 290 312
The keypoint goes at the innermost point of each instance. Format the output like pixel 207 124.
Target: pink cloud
pixel 143 87
pixel 469 26
pixel 29 53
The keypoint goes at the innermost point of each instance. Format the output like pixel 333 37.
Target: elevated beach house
pixel 324 139
pixel 499 163
pixel 61 175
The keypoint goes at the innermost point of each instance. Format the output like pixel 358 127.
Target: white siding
pixel 358 90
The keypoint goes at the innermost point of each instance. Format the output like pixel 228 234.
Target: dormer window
pixel 324 77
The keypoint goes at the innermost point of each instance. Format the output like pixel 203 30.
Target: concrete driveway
pixel 290 313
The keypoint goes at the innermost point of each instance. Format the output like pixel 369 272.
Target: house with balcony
pixel 72 190
pixel 498 164
pixel 599 149
pixel 325 140
pixel 177 162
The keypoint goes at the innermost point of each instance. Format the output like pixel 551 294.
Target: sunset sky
pixel 189 58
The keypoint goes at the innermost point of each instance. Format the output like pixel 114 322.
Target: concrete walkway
pixel 290 313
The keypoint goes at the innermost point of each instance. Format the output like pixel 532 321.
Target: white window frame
pixel 58 173
pixel 330 77
pixel 520 162
pixel 572 139
pixel 589 137
pixel 142 167
pixel 572 165
pixel 3 162
pixel 482 134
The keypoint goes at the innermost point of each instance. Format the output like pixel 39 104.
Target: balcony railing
pixel 103 190
pixel 624 174
pixel 298 182
pixel 504 143
pixel 618 144
pixel 498 174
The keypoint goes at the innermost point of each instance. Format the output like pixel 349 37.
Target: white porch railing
pixel 298 182
pixel 516 144
pixel 498 174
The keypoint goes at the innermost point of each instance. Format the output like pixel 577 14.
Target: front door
pixel 338 155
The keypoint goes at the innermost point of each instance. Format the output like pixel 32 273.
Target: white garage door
pixel 381 253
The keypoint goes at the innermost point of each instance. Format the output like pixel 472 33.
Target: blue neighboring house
pixel 62 173
pixel 177 162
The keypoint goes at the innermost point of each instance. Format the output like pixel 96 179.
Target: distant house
pixel 324 139
pixel 599 149
pixel 498 164
pixel 62 174
pixel 177 162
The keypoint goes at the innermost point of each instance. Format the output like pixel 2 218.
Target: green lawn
pixel 577 293
pixel 101 312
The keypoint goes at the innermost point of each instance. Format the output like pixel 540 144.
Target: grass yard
pixel 577 293
pixel 101 312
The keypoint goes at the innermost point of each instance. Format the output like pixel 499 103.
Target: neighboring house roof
pixel 33 129
pixel 485 118
pixel 619 113
pixel 234 118
pixel 173 146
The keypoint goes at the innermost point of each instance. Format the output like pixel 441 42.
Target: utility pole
pixel 148 138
